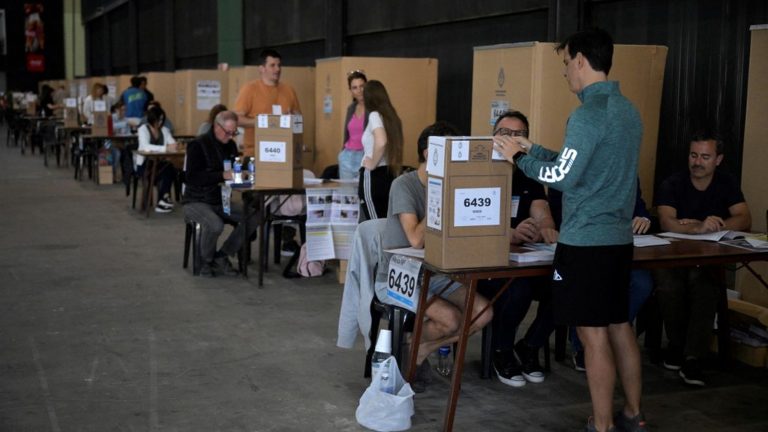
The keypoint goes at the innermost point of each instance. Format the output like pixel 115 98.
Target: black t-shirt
pixel 524 192
pixel 677 191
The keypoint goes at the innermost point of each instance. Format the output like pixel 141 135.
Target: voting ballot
pixel 278 151
pixel 469 190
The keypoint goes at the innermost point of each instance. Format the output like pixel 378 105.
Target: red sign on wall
pixel 34 37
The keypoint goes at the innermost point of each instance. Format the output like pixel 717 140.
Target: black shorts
pixel 590 285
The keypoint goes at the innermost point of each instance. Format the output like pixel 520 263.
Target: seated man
pixel 405 227
pixel 202 197
pixel 531 222
pixel 702 200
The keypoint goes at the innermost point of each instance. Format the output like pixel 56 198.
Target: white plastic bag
pixel 387 404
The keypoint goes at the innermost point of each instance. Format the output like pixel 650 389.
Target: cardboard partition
pixel 302 79
pixel 163 87
pixel 468 204
pixel 235 80
pixel 412 87
pixel 197 91
pixel 528 77
pixel 755 158
pixel 277 153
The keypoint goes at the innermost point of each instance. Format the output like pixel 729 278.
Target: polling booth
pixel 196 92
pixel 755 158
pixel 163 88
pixel 412 87
pixel 528 77
pixel 302 79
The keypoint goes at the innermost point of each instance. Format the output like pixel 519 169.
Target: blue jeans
pixel 349 163
pixel 640 287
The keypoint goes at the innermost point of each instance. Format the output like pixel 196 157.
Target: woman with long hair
pixel 153 136
pixel 383 147
pixel 351 156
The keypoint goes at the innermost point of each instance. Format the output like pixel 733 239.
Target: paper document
pixel 649 240
pixel 715 236
pixel 346 181
pixel 312 181
pixel 534 252
pixel 332 216
pixel 409 251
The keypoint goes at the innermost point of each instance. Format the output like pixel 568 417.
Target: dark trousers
pixel 373 191
pixel 212 220
pixel 512 306
pixel 164 176
pixel 688 302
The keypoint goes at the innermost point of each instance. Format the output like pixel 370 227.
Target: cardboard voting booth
pixel 302 80
pixel 528 77
pixel 412 87
pixel 468 204
pixel 278 152
pixel 163 88
pixel 197 91
pixel 755 158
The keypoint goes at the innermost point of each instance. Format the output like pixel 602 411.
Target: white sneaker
pixel 165 203
pixel 160 209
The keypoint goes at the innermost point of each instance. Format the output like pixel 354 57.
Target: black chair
pixel 50 140
pixel 330 172
pixel 192 234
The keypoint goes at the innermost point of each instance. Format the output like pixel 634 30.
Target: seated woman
pixel 153 136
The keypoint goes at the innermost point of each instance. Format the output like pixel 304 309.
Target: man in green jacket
pixel 596 170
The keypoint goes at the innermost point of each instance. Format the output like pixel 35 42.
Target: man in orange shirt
pixel 264 96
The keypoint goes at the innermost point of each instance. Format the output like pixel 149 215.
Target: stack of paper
pixel 534 252
pixel 715 236
pixel 649 240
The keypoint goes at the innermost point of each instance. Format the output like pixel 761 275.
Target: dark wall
pixel 705 79
pixel 14 63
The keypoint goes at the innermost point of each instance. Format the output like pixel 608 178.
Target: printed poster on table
pixel 332 216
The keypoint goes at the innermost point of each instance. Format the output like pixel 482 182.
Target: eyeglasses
pixel 511 132
pixel 230 134
pixel 356 71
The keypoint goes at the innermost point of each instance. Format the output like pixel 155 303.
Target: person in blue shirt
pixel 135 100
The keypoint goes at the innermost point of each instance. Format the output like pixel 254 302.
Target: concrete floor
pixel 102 330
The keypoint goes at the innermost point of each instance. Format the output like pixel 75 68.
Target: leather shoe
pixel 223 266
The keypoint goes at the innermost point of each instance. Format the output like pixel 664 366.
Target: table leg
pixel 458 368
pixel 262 239
pixel 418 326
pixel 245 247
pixel 150 186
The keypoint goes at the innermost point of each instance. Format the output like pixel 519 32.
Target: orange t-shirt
pixel 257 98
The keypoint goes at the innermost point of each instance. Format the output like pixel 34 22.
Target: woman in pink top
pixel 351 155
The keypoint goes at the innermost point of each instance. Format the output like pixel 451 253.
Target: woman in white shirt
pixel 383 148
pixel 97 93
pixel 154 137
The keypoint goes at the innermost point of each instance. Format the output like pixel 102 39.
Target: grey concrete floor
pixel 102 330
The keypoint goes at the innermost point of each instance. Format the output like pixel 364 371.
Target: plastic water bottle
pixel 237 167
pixel 382 351
pixel 444 361
pixel 251 170
pixel 226 195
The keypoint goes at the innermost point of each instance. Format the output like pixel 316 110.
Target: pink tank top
pixel 355 129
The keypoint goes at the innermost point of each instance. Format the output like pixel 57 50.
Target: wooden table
pixel 91 146
pixel 680 253
pixel 70 134
pixel 155 158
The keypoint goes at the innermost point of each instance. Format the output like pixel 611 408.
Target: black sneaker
pixel 289 248
pixel 691 373
pixel 221 265
pixel 578 361
pixel 529 358
pixel 673 359
pixel 508 368
pixel 627 424
pixel 206 271
pixel 422 377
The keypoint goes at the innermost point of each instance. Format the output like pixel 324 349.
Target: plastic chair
pixel 192 234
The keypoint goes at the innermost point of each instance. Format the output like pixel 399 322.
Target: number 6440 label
pixel 403 282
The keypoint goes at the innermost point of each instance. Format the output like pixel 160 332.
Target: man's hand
pixel 549 235
pixel 640 225
pixel 710 224
pixel 527 231
pixel 509 146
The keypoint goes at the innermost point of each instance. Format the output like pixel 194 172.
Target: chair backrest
pixel 370 233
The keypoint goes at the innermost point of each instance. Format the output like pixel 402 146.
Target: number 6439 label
pixel 403 282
